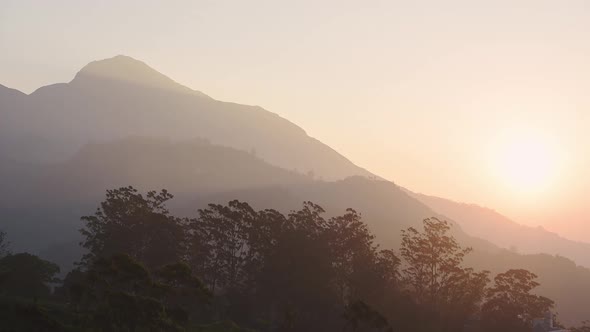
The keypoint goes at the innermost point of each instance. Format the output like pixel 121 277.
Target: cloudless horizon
pixel 479 102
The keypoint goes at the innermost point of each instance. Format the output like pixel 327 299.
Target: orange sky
pixel 431 95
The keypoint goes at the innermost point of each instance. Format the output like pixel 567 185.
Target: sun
pixel 526 163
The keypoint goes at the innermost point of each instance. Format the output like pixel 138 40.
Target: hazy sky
pixel 453 98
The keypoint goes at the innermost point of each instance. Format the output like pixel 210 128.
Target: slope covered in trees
pixel 110 100
pixel 42 213
pixel 146 269
pixel 41 204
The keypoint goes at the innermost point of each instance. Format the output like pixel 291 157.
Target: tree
pixel 354 254
pixel 119 293
pixel 297 276
pixel 181 291
pixel 433 259
pixel 26 275
pixel 361 317
pixel 4 245
pixel 435 276
pixel 510 306
pixel 19 315
pixel 223 233
pixel 129 223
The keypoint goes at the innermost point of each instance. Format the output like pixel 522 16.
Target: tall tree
pixel 510 306
pixel 354 254
pixel 436 277
pixel 223 233
pixel 129 223
pixel 297 278
pixel 433 259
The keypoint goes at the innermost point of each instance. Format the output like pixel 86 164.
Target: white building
pixel 545 324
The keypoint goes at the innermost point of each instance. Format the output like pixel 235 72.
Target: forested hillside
pixel 146 269
pixel 119 123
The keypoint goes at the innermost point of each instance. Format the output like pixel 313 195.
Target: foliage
pixel 510 306
pixel 20 315
pixel 232 268
pixel 141 227
pixel 435 277
pixel 26 275
pixel 361 317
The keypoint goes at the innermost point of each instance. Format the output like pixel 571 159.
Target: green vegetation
pixel 232 268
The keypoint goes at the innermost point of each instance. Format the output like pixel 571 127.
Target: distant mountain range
pixel 121 97
pixel 119 123
pixel 490 225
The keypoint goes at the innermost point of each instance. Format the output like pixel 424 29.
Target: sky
pixel 483 102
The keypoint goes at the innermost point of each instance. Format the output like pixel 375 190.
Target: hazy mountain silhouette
pixel 198 173
pixel 64 144
pixel 121 97
pixel 126 70
pixel 8 95
pixel 43 212
pixel 503 232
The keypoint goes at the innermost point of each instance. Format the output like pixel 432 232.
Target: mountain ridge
pixel 255 156
pixel 502 231
pixel 125 69
pixel 92 108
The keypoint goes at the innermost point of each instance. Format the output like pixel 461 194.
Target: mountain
pixel 505 233
pixel 43 213
pixel 120 123
pixel 198 173
pixel 11 103
pixel 41 205
pixel 126 70
pixel 8 95
pixel 121 97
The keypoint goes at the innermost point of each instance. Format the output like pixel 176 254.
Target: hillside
pixel 505 233
pixel 120 123
pixel 43 214
pixel 198 173
pixel 121 97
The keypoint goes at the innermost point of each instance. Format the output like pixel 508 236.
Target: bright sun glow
pixel 525 163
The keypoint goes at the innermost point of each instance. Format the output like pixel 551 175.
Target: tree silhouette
pixel 129 223
pixel 510 306
pixel 362 317
pixel 437 280
pixel 119 293
pixel 146 269
pixel 26 275
pixel 224 232
pixel 354 252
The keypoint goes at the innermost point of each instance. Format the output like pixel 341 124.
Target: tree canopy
pixel 26 275
pixel 233 268
pixel 510 305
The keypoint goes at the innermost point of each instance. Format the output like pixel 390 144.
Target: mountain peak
pixel 125 69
